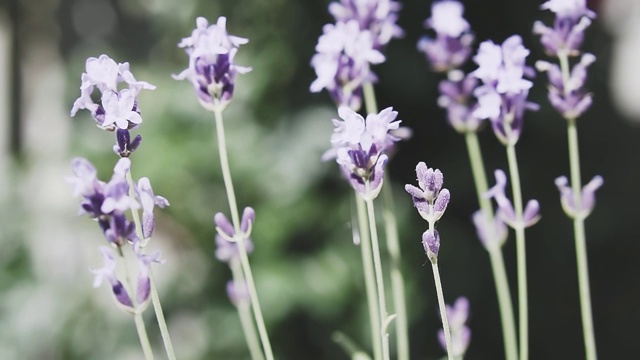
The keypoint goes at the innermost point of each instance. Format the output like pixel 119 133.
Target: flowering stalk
pixel 568 97
pixel 244 259
pixel 493 244
pixel 431 201
pixel 393 246
pixel 243 305
pixel 369 277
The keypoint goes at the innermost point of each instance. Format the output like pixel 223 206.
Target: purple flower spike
pixel 458 314
pixel 108 272
pixel 431 244
pixel 452 45
pixel 456 96
pixel 503 96
pixel 506 212
pixel 572 19
pixel 118 108
pixel 570 99
pixel 430 199
pixel 492 235
pixel 212 69
pixel 377 16
pixel 144 281
pixel 587 200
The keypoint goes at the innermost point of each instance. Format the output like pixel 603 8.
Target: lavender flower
pixel 238 292
pixel 118 109
pixel 431 244
pixel 342 63
pixel 377 16
pixel 108 272
pixel 144 281
pixel 503 96
pixel 456 97
pixel 492 235
pixel 148 200
pixel 226 230
pixel 458 314
pixel 567 34
pixel 430 199
pixel 452 45
pixel 505 212
pixel 359 147
pixel 212 69
pixel 568 96
pixel 587 198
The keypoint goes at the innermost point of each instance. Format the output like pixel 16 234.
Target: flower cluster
pixel 587 197
pixel 458 314
pixel 431 200
pixel 107 203
pixel 212 70
pixel 347 49
pixel 360 147
pixel 451 46
pixel 505 211
pixel 566 36
pixel 117 109
pixel 502 97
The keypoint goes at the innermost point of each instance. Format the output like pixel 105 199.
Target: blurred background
pixel 307 269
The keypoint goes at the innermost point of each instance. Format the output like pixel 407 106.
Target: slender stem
pixel 578 227
pixel 443 309
pixel 244 312
pixel 369 277
pixel 520 253
pixel 397 280
pixel 393 246
pixel 377 264
pixel 495 253
pixel 142 334
pixel 162 324
pixel 244 259
pixel 155 299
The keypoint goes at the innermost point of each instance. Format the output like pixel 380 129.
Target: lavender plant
pixel 569 97
pixel 447 52
pixel 108 203
pixel 212 72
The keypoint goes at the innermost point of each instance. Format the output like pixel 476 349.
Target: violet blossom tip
pixel 248 218
pixel 531 214
pixel 223 223
pixel 431 243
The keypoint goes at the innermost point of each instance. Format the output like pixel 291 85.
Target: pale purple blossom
pixel 429 198
pixel 451 46
pixel 149 200
pixel 458 315
pixel 238 292
pixel 431 244
pixel 567 34
pixel 503 96
pixel 108 272
pixel 506 212
pixel 143 289
pixel 587 197
pixel 377 16
pixel 118 108
pixel 212 69
pixel 342 62
pixel 360 146
pixel 492 234
pixel 456 96
pixel 226 230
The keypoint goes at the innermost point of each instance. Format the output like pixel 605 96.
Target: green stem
pixel 495 253
pixel 578 228
pixel 155 299
pixel 244 259
pixel 162 324
pixel 520 252
pixel 142 334
pixel 443 309
pixel 244 312
pixel 397 280
pixel 377 264
pixel 393 246
pixel 369 277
